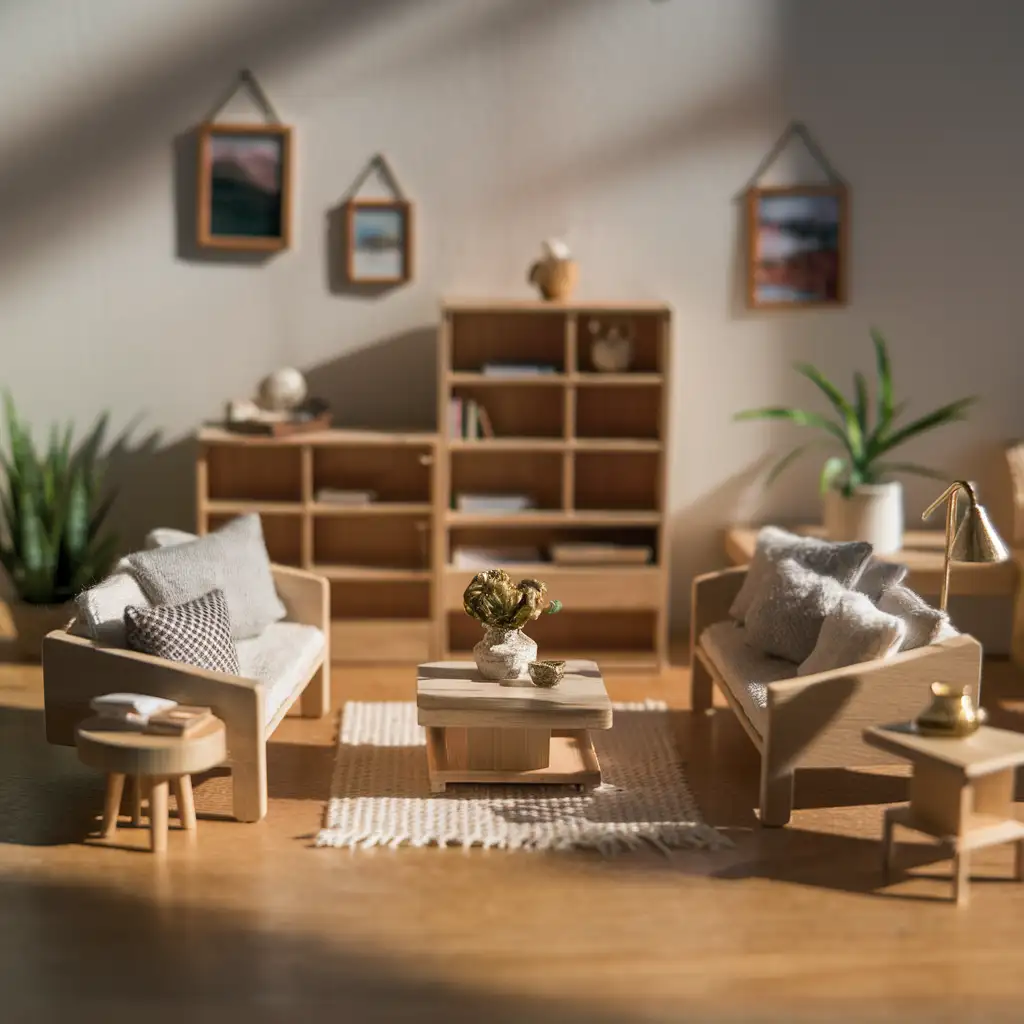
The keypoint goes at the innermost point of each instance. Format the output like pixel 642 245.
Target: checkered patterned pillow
pixel 197 632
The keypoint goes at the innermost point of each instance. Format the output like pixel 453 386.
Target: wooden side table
pixel 961 792
pixel 155 762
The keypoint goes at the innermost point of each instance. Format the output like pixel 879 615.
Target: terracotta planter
pixel 504 653
pixel 33 621
pixel 874 513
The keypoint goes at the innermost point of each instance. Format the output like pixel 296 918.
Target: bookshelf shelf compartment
pixel 617 482
pixel 534 474
pixel 395 475
pixel 514 411
pixel 254 474
pixel 380 599
pixel 647 340
pixel 482 337
pixel 372 542
pixel 540 538
pixel 618 412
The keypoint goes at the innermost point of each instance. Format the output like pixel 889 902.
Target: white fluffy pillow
pixel 924 624
pixel 854 631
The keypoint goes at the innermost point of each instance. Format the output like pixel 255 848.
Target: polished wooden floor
pixel 252 923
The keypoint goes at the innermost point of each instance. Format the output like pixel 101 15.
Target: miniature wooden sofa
pixel 812 721
pixel 288 662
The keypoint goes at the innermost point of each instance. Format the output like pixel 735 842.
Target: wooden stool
pixel 155 763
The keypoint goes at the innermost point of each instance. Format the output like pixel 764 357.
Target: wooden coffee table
pixel 483 731
pixel 961 793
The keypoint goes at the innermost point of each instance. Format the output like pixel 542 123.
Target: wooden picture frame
pixel 379 241
pixel 797 246
pixel 244 192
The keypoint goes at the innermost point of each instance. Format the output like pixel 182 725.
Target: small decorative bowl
pixel 547 673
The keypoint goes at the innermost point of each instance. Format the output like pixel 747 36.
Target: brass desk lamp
pixel 975 538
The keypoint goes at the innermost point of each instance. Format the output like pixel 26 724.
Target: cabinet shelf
pixel 554 517
pixel 373 508
pixel 355 573
pixel 241 508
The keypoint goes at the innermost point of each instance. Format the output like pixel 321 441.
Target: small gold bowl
pixel 547 673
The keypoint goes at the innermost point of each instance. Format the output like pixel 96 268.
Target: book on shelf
pixel 496 503
pixel 600 554
pixel 490 558
pixel 337 496
pixel 517 369
pixel 181 720
pixel 468 419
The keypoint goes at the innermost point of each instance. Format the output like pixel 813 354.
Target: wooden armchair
pixel 817 721
pixel 76 669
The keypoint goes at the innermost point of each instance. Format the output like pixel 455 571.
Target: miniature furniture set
pixel 873 654
pixel 480 730
pixel 961 793
pixel 284 660
pixel 542 456
pixel 153 762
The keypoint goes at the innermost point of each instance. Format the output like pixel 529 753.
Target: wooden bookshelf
pixel 377 556
pixel 589 449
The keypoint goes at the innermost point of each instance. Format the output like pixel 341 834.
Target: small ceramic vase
pixel 611 352
pixel 547 673
pixel 504 653
pixel 952 712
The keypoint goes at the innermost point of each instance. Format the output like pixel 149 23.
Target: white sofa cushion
pixel 166 537
pixel 854 632
pixel 99 611
pixel 281 657
pixel 744 669
pixel 924 624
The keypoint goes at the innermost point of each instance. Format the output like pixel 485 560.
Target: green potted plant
pixel 52 538
pixel 503 607
pixel 862 500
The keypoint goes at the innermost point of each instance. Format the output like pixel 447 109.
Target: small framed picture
pixel 379 239
pixel 244 192
pixel 797 246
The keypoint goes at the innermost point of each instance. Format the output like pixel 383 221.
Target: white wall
pixel 626 126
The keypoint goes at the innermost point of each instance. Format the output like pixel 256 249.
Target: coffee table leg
pixel 185 800
pixel 137 797
pixel 112 804
pixel 158 815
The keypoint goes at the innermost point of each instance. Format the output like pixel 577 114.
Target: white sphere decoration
pixel 282 390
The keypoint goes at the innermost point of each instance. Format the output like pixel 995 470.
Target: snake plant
pixel 866 441
pixel 493 599
pixel 52 538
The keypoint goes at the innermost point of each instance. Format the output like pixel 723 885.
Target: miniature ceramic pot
pixel 504 653
pixel 952 712
pixel 555 278
pixel 547 673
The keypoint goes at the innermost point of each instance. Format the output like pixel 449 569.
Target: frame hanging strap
pixel 383 168
pixel 247 80
pixel 795 129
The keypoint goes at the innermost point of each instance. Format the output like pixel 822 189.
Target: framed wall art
pixel 379 234
pixel 796 246
pixel 245 183
pixel 797 236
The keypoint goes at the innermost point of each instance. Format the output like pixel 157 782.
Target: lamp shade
pixel 976 539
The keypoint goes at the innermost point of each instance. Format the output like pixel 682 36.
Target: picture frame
pixel 797 246
pixel 379 241
pixel 244 191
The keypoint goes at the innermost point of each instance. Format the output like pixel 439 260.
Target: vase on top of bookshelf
pixel 503 607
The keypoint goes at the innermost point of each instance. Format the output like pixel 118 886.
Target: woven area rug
pixel 380 794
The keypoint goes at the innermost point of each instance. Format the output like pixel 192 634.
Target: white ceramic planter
pixel 874 513
pixel 504 653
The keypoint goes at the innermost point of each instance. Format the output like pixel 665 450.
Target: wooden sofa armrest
pixel 712 596
pixel 818 720
pixel 76 669
pixel 306 595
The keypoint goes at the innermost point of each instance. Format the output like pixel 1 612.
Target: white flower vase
pixel 873 513
pixel 504 653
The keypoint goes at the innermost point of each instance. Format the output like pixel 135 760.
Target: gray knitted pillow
pixel 233 559
pixel 854 631
pixel 924 624
pixel 842 562
pixel 786 616
pixel 878 577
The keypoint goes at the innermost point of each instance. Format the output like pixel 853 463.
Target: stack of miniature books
pixel 181 720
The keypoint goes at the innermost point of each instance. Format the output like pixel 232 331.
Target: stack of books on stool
pixel 155 715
